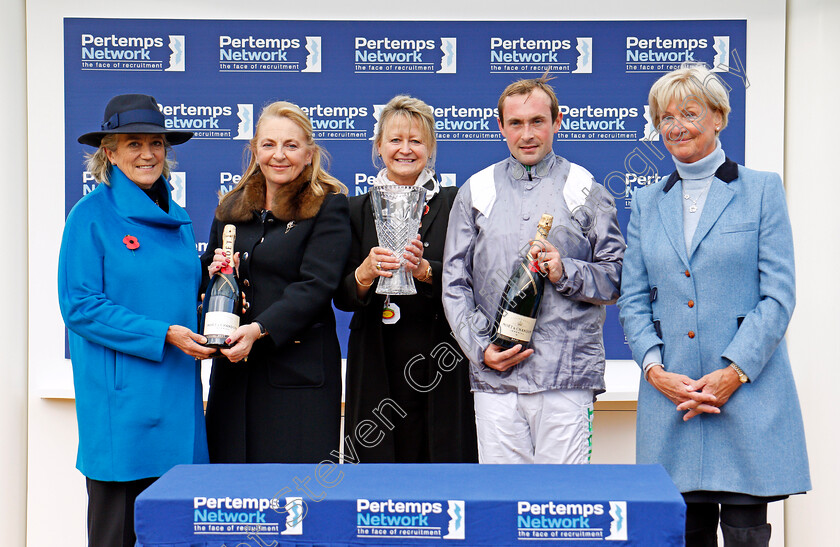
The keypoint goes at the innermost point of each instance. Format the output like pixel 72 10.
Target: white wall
pixel 56 497
pixel 13 386
pixel 811 115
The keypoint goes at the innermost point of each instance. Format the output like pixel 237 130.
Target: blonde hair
pixel 690 81
pixel 99 165
pixel 321 183
pixel 410 109
pixel 526 87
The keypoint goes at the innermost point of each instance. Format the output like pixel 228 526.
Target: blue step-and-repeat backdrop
pixel 214 77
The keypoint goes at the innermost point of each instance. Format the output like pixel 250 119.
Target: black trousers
pixel 111 512
pixel 749 521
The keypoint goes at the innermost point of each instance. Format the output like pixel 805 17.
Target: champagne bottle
pixel 223 299
pixel 520 302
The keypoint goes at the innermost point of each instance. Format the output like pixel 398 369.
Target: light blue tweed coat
pixel 739 273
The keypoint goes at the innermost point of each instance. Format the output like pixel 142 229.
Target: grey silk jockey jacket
pixel 493 218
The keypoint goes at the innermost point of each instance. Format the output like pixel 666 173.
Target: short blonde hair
pixel 99 165
pixel 321 182
pixel 690 81
pixel 410 109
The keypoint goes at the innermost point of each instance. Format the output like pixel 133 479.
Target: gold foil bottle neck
pixel 544 227
pixel 228 239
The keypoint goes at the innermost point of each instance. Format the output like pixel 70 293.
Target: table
pixel 400 504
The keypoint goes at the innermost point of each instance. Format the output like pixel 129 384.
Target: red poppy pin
pixel 131 242
pixel 426 210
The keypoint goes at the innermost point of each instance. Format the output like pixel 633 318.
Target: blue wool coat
pixel 728 299
pixel 138 399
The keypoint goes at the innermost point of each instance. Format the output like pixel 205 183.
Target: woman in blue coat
pixel 128 279
pixel 707 292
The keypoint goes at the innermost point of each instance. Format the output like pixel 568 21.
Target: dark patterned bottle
pixel 223 299
pixel 520 302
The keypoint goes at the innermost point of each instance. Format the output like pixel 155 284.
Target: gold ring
pixel 378 265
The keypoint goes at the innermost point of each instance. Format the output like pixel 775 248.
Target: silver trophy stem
pixel 397 211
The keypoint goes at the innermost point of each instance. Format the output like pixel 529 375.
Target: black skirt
pixel 728 498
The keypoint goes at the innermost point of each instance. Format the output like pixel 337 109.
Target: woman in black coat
pixel 275 395
pixel 405 371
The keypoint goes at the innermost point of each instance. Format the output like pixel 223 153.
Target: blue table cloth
pixel 392 504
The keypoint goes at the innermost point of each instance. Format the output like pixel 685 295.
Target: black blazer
pixel 451 417
pixel 283 404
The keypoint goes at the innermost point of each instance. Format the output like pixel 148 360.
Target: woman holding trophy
pixel 402 362
pixel 275 394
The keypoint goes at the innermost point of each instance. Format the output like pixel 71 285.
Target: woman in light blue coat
pixel 707 292
pixel 128 278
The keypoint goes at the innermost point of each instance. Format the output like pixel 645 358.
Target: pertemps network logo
pixel 294 516
pixel 177 57
pixel 663 54
pixel 554 521
pixel 269 54
pixel 421 55
pixel 338 123
pixel 466 123
pixel 456 528
pixel 313 57
pixel 650 132
pixel 411 519
pixel 458 123
pixel 377 113
pixel 156 53
pixel 243 516
pixel 535 55
pixel 583 65
pixel 618 524
pixel 721 60
pixel 245 127
pixel 597 123
pixel 219 122
pixel 178 184
pixel 448 63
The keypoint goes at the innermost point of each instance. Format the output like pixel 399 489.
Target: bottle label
pixel 518 327
pixel 219 323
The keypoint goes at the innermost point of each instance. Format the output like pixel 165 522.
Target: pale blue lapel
pixel 720 194
pixel 670 210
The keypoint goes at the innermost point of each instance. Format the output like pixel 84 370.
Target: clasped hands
pixel 703 396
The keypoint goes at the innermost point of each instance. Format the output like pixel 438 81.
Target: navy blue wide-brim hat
pixel 134 113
